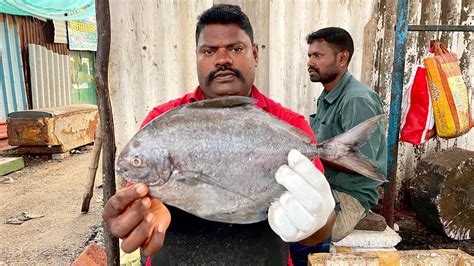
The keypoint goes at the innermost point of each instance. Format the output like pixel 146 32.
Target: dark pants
pixel 299 252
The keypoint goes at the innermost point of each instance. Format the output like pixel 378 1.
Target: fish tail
pixel 343 149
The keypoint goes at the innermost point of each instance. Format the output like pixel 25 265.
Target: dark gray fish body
pixel 217 158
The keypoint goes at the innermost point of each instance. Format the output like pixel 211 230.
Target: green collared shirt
pixel 345 106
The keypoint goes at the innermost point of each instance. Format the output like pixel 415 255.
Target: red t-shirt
pixel 262 102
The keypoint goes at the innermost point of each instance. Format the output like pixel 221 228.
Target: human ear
pixel 255 52
pixel 342 58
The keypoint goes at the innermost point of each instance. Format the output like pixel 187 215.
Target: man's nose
pixel 223 57
pixel 310 62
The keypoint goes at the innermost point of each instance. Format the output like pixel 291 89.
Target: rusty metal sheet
pixel 29 131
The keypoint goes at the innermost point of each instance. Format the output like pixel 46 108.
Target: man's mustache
pixel 312 68
pixel 212 75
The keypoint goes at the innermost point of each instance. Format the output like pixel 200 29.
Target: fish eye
pixel 136 162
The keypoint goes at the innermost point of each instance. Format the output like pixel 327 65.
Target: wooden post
pixel 106 119
pixel 94 162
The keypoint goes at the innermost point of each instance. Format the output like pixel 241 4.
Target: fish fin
pixel 358 162
pixel 352 140
pixel 190 177
pixel 222 102
pixel 357 135
pixel 195 178
pixel 300 134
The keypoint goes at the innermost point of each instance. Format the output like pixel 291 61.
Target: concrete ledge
pixel 371 239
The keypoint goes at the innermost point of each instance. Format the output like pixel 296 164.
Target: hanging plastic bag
pixel 417 121
pixel 448 93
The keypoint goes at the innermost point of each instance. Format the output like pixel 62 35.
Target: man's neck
pixel 332 84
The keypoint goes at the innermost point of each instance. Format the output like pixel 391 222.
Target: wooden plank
pixel 11 164
pixel 409 257
pixel 48 149
pixel 53 111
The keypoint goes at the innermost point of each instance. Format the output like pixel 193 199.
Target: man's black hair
pixel 224 14
pixel 338 37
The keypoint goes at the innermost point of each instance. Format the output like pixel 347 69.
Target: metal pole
pixel 395 109
pixel 468 28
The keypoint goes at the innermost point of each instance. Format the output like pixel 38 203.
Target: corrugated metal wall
pixel 152 57
pixel 153 50
pixel 60 31
pixel 35 31
pixel 50 77
pixel 12 88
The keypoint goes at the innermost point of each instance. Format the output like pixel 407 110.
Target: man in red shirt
pixel 226 60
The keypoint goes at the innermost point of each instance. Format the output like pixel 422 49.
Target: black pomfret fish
pixel 217 158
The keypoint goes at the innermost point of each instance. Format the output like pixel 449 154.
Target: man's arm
pixel 358 110
pixel 322 234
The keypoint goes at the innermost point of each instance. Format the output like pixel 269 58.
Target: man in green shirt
pixel 344 103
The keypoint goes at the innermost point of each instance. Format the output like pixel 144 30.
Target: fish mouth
pixel 146 178
pixel 159 182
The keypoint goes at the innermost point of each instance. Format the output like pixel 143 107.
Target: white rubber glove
pixel 306 206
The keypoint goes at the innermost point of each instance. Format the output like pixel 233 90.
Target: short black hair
pixel 338 37
pixel 224 14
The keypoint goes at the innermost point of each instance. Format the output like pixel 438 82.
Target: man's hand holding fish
pixel 306 206
pixel 140 220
